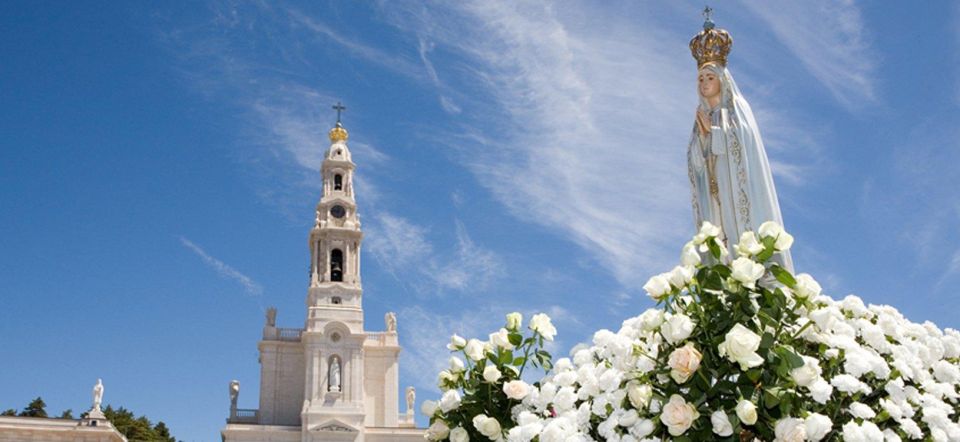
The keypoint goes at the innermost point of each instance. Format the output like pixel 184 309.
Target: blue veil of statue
pixel 747 196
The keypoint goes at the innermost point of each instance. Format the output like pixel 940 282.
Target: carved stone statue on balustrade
pixel 411 399
pixel 391 319
pixel 272 317
pixel 234 395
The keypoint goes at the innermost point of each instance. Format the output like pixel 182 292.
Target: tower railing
pixel 244 416
pixel 282 334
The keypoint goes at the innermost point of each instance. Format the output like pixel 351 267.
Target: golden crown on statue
pixel 711 45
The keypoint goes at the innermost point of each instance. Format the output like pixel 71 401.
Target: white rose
pixel 747 412
pixel 946 372
pixel 772 229
pixel 456 365
pixel 541 324
pixel 456 343
pixel 707 230
pixel 514 320
pixel 437 431
pixel 516 390
pixel 677 328
pixel 501 339
pixel 689 255
pixel 807 287
pixel 680 276
pixel 658 286
pixel 809 372
pixel 820 391
pixel 449 401
pixel 651 319
pixel 748 245
pixel 849 384
pixel 678 415
pixel 459 434
pixel 746 272
pixel 817 426
pixel 491 374
pixel 683 362
pixel 428 408
pixel 790 430
pixel 487 426
pixel 445 379
pixel 629 418
pixel 474 350
pixel 740 345
pixel 861 410
pixel 639 394
pixel 721 423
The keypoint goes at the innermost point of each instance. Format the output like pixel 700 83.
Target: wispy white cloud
pixel 830 38
pixel 593 129
pixel 356 48
pixel 224 270
pixel 402 248
pixel 446 102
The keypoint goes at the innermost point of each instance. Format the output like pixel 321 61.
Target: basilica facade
pixel 331 380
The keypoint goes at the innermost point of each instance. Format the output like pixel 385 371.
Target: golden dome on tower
pixel 338 134
pixel 711 45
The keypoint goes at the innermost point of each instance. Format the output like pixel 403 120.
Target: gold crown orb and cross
pixel 338 133
pixel 711 45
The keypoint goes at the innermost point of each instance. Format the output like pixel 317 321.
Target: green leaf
pixel 515 339
pixel 783 276
pixel 766 341
pixel 714 248
pixel 519 361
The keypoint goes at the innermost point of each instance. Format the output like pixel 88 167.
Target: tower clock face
pixel 338 211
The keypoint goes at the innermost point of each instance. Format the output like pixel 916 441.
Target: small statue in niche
pixel 333 383
pixel 391 319
pixel 272 317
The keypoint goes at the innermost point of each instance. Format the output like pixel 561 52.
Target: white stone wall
pixel 281 382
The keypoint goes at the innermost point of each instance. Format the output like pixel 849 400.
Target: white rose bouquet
pixel 479 394
pixel 740 349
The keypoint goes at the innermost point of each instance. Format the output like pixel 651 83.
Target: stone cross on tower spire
pixel 339 107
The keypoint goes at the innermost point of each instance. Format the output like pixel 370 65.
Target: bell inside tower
pixel 336 265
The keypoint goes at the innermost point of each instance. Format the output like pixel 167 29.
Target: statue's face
pixel 708 84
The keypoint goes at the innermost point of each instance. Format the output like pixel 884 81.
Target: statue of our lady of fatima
pixel 729 173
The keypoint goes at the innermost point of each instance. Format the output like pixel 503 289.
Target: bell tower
pixel 333 335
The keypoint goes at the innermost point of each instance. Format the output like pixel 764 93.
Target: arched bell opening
pixel 336 265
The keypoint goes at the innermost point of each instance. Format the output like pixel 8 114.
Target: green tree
pixel 9 412
pixel 36 408
pixel 67 414
pixel 137 428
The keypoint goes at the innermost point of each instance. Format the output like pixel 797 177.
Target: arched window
pixel 338 182
pixel 336 265
pixel 336 300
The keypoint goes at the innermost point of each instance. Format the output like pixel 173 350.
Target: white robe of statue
pixel 729 172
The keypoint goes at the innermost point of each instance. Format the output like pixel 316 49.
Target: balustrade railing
pixel 285 334
pixel 244 416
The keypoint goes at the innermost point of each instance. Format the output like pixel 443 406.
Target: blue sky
pixel 159 169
